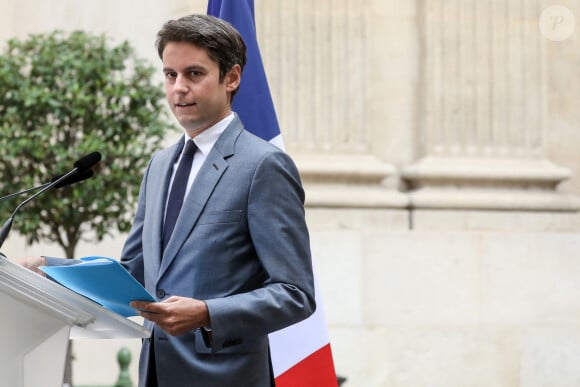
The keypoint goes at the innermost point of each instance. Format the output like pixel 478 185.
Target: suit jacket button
pixel 160 293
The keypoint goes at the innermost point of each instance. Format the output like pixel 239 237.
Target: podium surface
pixel 38 318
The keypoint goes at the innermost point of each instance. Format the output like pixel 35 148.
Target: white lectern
pixel 37 319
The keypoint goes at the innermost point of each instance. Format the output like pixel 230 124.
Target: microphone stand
pixel 23 192
pixel 82 166
pixel 8 224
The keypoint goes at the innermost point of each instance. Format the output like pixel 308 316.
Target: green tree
pixel 62 96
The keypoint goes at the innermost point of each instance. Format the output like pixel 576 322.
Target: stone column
pixel 484 109
pixel 319 58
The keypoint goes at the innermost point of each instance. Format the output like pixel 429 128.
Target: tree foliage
pixel 62 96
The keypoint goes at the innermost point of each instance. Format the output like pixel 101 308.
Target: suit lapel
pixel 207 178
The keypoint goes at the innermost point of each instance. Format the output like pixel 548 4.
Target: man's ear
pixel 233 78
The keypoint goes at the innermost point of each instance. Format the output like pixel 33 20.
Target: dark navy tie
pixel 178 189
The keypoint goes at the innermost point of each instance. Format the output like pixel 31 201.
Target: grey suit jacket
pixel 241 244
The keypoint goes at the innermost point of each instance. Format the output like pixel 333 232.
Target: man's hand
pixel 176 315
pixel 33 263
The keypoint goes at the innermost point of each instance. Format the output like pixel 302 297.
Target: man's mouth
pixel 182 104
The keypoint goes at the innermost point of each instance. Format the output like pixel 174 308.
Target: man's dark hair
pixel 222 41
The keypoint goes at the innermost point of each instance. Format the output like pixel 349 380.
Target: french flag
pixel 301 353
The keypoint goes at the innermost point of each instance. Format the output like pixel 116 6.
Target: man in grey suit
pixel 219 235
pixel 232 263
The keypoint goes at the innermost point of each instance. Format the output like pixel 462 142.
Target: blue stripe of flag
pixel 253 102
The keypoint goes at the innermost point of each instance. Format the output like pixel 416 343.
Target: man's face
pixel 194 92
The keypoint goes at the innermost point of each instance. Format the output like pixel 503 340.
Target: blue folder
pixel 102 280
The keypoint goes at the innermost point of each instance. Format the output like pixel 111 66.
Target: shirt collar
pixel 206 139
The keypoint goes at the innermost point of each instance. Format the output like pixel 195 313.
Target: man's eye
pixel 195 73
pixel 170 75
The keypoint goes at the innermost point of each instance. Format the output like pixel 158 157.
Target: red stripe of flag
pixel 316 369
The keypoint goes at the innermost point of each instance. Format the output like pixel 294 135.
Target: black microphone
pixel 74 178
pixel 80 166
pixel 88 161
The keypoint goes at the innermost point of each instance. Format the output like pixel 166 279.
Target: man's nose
pixel 181 85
